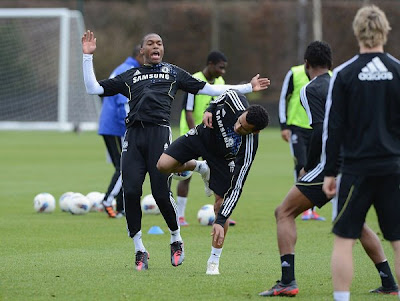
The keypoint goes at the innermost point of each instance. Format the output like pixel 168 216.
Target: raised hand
pixel 88 42
pixel 259 84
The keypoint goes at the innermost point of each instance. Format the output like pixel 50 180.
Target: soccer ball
pixel 95 198
pixel 183 175
pixel 149 205
pixel 64 201
pixel 206 215
pixel 79 204
pixel 44 202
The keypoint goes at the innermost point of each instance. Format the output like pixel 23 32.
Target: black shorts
pixel 357 193
pixel 299 141
pixel 192 146
pixel 311 186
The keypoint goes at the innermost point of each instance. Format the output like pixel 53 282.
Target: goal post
pixel 41 77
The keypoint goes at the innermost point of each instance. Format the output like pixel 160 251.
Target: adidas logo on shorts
pixel 375 70
pixel 285 264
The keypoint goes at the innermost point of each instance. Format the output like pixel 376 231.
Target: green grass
pixel 59 256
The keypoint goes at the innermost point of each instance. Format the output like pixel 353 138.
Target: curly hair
pixel 257 116
pixel 319 54
pixel 215 57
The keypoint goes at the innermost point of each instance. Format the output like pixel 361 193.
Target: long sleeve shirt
pixel 363 116
pixel 233 147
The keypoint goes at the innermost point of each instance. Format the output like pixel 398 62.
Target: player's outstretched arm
pixel 259 84
pixel 88 42
pixel 256 84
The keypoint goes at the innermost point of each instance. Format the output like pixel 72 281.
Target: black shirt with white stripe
pixel 226 110
pixel 363 116
pixel 313 98
pixel 151 90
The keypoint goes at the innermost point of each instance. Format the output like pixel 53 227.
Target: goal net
pixel 41 77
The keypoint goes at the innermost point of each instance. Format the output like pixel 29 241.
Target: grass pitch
pixel 59 256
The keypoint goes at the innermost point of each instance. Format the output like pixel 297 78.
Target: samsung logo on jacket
pixel 141 77
pixel 229 142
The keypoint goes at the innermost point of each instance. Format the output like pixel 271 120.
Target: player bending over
pixel 227 140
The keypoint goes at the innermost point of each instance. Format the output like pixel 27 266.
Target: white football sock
pixel 109 200
pixel 137 240
pixel 215 255
pixel 341 296
pixel 199 167
pixel 181 204
pixel 175 235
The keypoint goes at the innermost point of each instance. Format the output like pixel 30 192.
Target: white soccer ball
pixel 183 175
pixel 206 215
pixel 95 201
pixel 44 202
pixel 64 201
pixel 79 204
pixel 149 205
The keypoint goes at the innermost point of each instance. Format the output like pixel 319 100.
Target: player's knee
pixel 162 166
pixel 282 212
pixel 277 212
pixel 132 192
pixel 166 164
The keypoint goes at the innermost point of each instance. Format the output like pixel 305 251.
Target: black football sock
pixel 287 266
pixel 386 274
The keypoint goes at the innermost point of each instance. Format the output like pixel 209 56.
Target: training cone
pixel 155 230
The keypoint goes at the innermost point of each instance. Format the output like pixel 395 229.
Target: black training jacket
pixel 151 90
pixel 363 116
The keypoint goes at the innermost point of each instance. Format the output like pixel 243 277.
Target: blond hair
pixel 371 26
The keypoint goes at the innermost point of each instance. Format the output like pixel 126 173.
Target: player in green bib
pixel 195 105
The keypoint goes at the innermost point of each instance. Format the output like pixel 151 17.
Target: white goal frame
pixel 62 122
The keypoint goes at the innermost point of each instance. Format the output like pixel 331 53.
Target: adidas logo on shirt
pixel 375 70
pixel 137 73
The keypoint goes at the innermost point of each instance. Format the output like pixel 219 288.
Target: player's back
pixel 313 98
pixel 369 85
pixel 226 110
